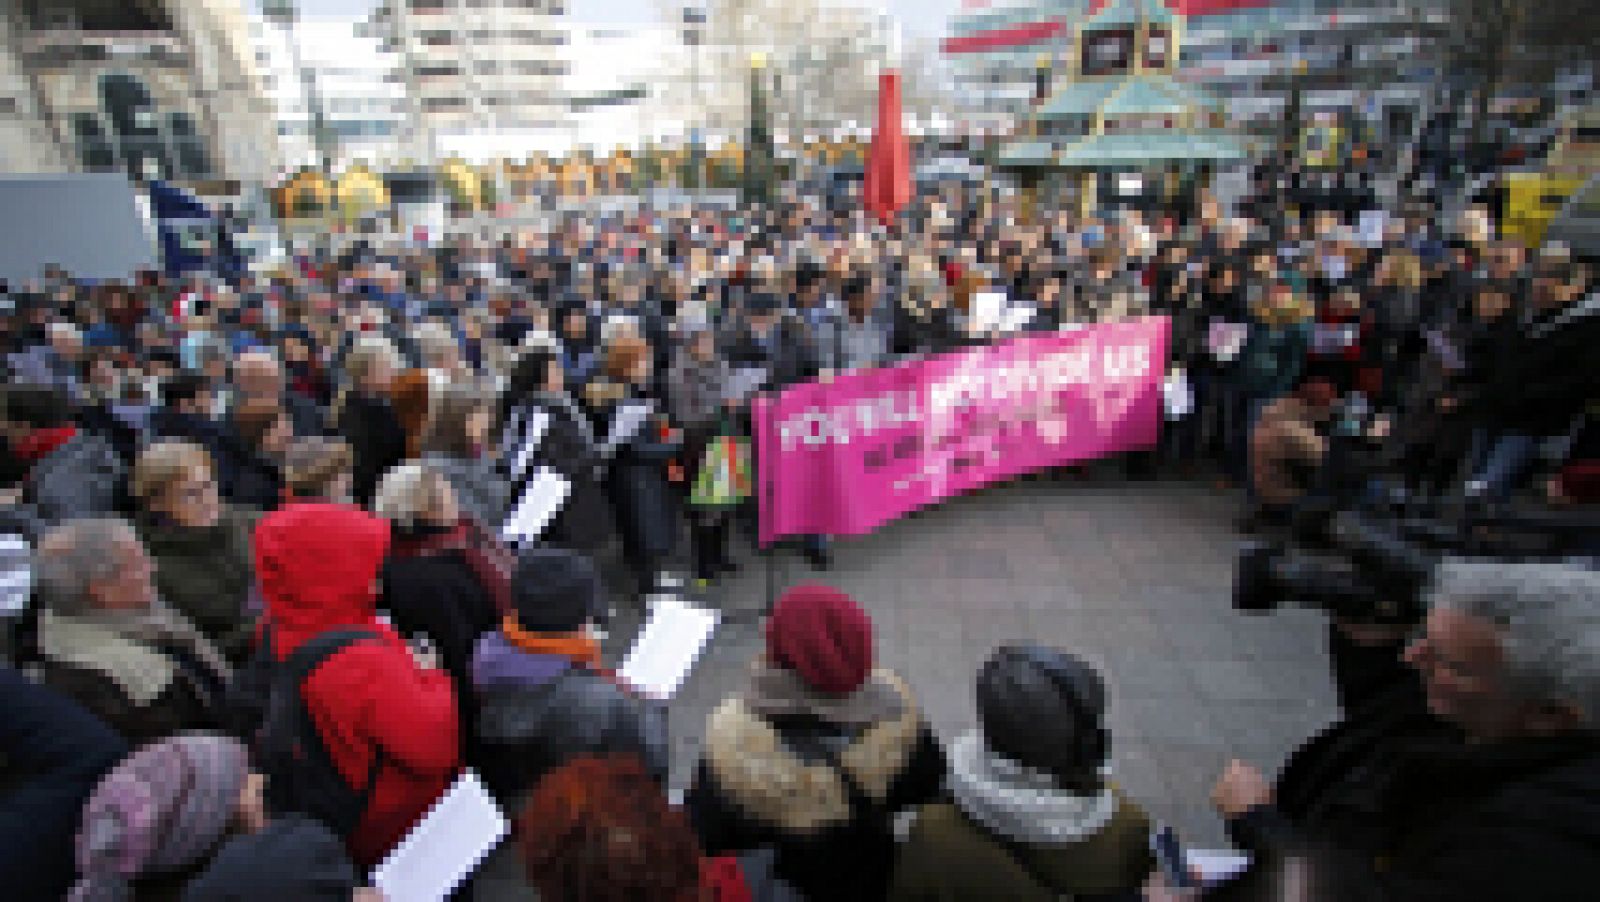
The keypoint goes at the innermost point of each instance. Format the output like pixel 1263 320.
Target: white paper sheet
pixel 987 308
pixel 745 381
pixel 444 847
pixel 1225 340
pixel 1017 316
pixel 628 419
pixel 667 647
pixel 532 436
pixel 541 499
pixel 1177 395
pixel 16 582
pixel 1215 865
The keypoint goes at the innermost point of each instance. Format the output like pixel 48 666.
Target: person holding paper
pixel 375 704
pixel 641 444
pixel 817 754
pixel 541 425
pixel 540 693
pixel 698 394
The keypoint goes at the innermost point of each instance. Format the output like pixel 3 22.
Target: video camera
pixel 1373 565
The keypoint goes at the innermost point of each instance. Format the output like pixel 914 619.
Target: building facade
pixel 330 66
pixel 483 78
pixel 156 88
pixel 1372 58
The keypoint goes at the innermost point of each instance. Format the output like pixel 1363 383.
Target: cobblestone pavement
pixel 1133 575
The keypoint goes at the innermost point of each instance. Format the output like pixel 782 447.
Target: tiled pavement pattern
pixel 1133 575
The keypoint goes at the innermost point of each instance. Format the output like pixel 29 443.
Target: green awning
pixel 1027 153
pixel 1077 98
pixel 1134 151
pixel 1144 97
pixel 1127 14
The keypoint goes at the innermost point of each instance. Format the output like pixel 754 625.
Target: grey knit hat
pixel 161 810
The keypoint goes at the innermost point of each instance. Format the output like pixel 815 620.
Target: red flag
pixel 886 184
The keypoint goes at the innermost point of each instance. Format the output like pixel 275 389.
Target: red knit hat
pixel 821 634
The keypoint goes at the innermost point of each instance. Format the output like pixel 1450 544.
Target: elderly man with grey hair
pixel 1485 785
pixel 258 376
pixel 106 640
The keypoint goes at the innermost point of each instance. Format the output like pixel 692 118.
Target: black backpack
pixel 301 776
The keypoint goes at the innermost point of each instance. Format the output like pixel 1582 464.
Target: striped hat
pixel 161 810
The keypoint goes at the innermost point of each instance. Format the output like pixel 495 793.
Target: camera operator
pixel 1490 791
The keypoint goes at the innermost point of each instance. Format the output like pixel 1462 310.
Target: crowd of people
pixel 262 608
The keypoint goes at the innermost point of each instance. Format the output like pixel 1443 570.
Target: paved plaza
pixel 1133 575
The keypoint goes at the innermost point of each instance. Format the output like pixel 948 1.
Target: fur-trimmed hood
pixel 758 771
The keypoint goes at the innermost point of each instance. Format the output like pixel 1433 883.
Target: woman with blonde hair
pixel 318 469
pixel 200 545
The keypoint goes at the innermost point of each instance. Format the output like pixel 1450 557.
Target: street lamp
pixel 286 13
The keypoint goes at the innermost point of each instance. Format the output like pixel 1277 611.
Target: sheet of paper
pixel 1017 316
pixel 1177 395
pixel 532 435
pixel 745 381
pixel 628 419
pixel 1216 865
pixel 541 499
pixel 987 308
pixel 1225 340
pixel 669 644
pixel 509 433
pixel 16 579
pixel 445 846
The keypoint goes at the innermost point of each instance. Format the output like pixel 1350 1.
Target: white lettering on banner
pixel 1023 386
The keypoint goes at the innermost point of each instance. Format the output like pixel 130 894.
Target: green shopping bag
pixel 724 478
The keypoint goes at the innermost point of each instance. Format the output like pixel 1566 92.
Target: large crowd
pixel 261 611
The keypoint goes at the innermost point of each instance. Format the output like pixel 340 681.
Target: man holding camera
pixel 1490 793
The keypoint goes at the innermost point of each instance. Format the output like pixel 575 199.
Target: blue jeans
pixel 1498 465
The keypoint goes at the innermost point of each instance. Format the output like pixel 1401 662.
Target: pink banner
pixel 847 456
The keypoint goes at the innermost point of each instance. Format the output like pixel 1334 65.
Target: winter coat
pixel 144 690
pixel 1273 357
pixel 257 481
pixel 696 391
pixel 482 493
pixel 377 441
pixel 761 783
pixel 371 695
pixel 863 344
pixel 438 595
pixel 1008 834
pixel 82 478
pixel 1547 375
pixel 585 521
pixel 636 478
pixel 206 574
pixel 1389 805
pixel 535 712
pixel 53 753
pixel 1284 446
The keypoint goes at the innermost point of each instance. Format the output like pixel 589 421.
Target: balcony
pixel 55 48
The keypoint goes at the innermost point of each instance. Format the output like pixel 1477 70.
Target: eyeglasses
pixel 196 491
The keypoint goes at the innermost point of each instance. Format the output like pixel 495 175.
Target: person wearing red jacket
pixel 318 570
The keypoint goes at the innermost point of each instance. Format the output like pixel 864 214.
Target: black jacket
pixel 534 713
pixel 257 481
pixel 377 441
pixel 52 754
pixel 1547 374
pixel 585 522
pixel 636 477
pixel 1390 805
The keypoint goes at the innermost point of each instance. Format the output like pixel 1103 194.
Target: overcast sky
pixel 920 17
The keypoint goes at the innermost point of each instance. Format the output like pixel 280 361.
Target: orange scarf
pixel 581 649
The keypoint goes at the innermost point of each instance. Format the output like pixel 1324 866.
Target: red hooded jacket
pixel 318 569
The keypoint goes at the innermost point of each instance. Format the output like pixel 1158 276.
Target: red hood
pixel 317 565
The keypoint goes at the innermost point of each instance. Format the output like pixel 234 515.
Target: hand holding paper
pixel 445 847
